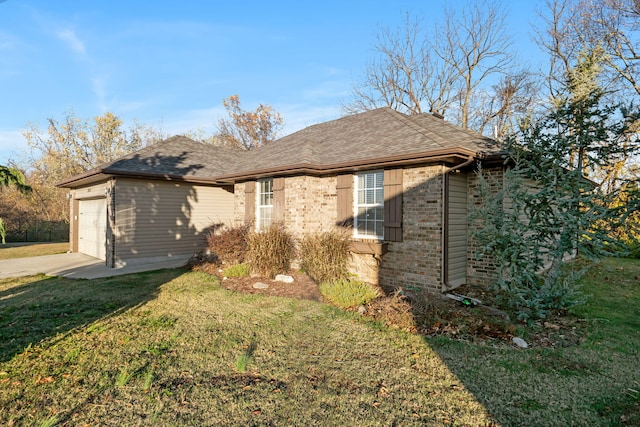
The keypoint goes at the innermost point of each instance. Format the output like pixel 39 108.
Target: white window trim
pixel 259 192
pixel 356 206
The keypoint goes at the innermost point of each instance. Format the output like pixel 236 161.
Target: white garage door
pixel 92 227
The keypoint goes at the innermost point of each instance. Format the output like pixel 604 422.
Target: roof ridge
pixel 407 119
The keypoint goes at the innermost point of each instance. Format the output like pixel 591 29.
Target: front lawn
pixel 27 250
pixel 174 348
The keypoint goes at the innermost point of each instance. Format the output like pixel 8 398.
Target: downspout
pixel 111 208
pixel 445 220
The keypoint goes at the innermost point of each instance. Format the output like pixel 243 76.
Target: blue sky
pixel 170 64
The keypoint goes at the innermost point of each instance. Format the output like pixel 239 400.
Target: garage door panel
pixel 92 227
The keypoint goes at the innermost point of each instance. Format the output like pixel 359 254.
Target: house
pixel 401 185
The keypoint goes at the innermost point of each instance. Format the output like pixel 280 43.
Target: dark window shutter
pixel 393 205
pixel 278 199
pixel 344 188
pixel 249 202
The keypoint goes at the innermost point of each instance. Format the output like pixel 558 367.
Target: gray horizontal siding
pixel 457 230
pixel 157 218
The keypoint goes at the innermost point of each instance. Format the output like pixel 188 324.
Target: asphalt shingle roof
pixel 177 156
pixel 374 134
pixel 363 138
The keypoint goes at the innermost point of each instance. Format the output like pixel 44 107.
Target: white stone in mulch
pixel 520 342
pixel 260 285
pixel 284 278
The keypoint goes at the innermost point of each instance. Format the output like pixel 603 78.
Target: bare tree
pixel 475 44
pixel 512 99
pixel 614 25
pixel 406 75
pixel 447 69
pixel 247 129
pixel 607 32
pixel 574 26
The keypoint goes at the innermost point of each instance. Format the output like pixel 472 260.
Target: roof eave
pixel 458 155
pixel 104 174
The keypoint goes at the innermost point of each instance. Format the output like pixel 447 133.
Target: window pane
pixel 370 197
pixel 266 199
pixel 370 178
pixel 361 197
pixel 379 195
pixel 379 228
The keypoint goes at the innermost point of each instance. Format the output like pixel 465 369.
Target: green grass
pixel 237 270
pixel 10 251
pixel 590 383
pixel 174 348
pixel 347 293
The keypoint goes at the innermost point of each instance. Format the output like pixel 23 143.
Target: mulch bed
pixel 303 287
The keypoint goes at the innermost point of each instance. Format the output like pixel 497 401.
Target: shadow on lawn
pixel 41 307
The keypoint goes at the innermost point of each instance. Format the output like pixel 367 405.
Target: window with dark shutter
pixel 369 205
pixel 344 189
pixel 393 205
pixel 264 211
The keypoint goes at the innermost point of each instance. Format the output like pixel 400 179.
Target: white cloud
pixel 72 40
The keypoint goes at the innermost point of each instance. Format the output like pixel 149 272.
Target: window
pixel 369 205
pixel 264 209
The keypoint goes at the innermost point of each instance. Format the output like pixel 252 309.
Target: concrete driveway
pixel 78 266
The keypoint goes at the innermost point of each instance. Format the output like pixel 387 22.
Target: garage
pixel 92 227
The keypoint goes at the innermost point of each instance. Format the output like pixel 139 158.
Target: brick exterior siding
pixel 481 270
pixel 311 206
pixel 417 260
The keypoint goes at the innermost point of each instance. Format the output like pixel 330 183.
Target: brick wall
pixel 417 260
pixel 310 204
pixel 481 270
pixel 238 204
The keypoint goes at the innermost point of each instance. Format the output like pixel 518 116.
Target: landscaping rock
pixel 284 278
pixel 520 342
pixel 260 285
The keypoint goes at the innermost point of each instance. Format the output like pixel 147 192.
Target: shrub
pixel 347 293
pixel 237 270
pixel 229 244
pixel 270 251
pixel 323 256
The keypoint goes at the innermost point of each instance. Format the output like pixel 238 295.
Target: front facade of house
pixel 409 225
pixel 401 186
